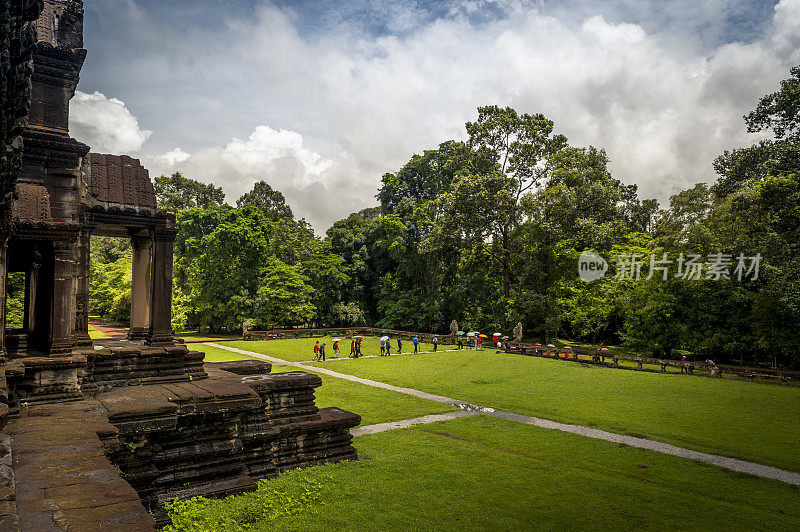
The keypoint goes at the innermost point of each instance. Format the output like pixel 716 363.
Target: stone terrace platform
pixel 109 462
pixel 64 481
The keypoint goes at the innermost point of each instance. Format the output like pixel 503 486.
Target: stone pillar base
pixel 159 340
pixel 59 347
pixel 138 333
pixel 82 339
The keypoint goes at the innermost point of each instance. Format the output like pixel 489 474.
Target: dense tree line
pixel 488 232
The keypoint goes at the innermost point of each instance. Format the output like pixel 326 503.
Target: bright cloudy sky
pixel 321 97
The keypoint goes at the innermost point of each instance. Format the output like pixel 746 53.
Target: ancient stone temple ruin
pixel 98 435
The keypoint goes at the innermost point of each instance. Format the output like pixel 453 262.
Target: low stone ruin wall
pixel 42 379
pixel 166 430
pixel 220 435
pixel 612 359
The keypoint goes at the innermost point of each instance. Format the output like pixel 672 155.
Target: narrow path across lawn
pixel 467 408
pixel 405 423
pixel 116 332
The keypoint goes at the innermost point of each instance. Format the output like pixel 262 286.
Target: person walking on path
pixel 399 346
pixel 358 348
pixel 460 342
pixel 316 351
pixel 480 342
pixel 435 343
pixel 336 349
pixel 383 348
pixel 415 341
pixel 352 349
pixel 322 352
pixel 388 347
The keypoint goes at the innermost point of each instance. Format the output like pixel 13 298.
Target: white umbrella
pixel 497 334
pixel 384 338
pixel 550 345
pixel 336 340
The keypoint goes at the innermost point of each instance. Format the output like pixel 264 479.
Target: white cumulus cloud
pixel 176 155
pixel 322 115
pixel 318 188
pixel 105 124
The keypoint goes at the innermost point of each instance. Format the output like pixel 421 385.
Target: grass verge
pixel 482 473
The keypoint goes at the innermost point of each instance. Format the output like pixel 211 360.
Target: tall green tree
pixel 271 202
pixel 483 208
pixel 177 193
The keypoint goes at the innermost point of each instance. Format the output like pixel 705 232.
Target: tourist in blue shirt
pixel 415 341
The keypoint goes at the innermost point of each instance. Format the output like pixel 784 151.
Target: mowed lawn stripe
pixel 735 464
pixel 753 422
pixel 490 474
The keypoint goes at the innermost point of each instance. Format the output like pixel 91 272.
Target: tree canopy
pixel 270 201
pixel 177 193
pixel 488 231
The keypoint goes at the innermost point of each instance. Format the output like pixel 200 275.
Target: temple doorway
pixel 110 273
pixel 120 288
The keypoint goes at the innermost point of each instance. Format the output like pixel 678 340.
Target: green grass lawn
pixel 302 349
pixel 206 337
pixel 215 354
pixel 482 473
pixel 745 420
pixel 750 421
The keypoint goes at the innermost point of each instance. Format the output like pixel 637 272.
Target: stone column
pixel 62 313
pixel 82 296
pixel 141 287
pixel 160 332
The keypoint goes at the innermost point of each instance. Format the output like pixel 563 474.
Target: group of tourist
pixel 355 347
pixel 319 351
pixel 476 342
pixel 386 346
pixel 385 343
